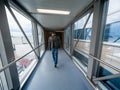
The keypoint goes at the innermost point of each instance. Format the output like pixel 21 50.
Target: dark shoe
pixel 55 65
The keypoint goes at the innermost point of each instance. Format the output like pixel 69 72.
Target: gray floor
pixel 65 77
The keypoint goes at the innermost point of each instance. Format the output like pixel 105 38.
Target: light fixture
pixel 49 11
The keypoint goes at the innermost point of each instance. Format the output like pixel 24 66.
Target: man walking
pixel 54 41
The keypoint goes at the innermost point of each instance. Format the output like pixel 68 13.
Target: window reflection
pixel 84 39
pixel 84 42
pixel 111 44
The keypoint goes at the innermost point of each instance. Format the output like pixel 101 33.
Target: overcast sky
pixel 113 11
pixel 24 22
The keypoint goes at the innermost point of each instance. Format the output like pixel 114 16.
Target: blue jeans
pixel 55 55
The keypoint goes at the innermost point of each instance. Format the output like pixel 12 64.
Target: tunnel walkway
pixel 65 77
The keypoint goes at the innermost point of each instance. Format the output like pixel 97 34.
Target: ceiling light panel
pixel 49 11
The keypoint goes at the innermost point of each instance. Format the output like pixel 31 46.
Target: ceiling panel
pixel 54 21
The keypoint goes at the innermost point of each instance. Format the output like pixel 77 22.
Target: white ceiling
pixel 54 22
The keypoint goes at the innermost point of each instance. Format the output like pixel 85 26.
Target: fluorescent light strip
pixel 48 11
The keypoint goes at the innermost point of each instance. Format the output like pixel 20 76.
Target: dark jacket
pixel 54 42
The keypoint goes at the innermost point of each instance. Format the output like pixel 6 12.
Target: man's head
pixel 53 34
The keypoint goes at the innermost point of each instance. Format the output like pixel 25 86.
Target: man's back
pixel 55 42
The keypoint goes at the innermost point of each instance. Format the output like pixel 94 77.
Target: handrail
pixel 101 61
pixel 8 65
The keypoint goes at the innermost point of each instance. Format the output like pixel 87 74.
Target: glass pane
pixel 3 83
pixel 84 39
pixel 111 44
pixel 39 34
pixel 43 46
pixel 20 44
pixel 25 65
pixel 67 39
pixel 26 26
pixel 41 39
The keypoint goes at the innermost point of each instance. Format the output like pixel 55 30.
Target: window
pixel 41 39
pixel 111 44
pixel 20 44
pixel 43 46
pixel 84 42
pixel 3 83
pixel 84 39
pixel 67 39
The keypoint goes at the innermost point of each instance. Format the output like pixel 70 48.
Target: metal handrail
pixel 11 63
pixel 101 61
